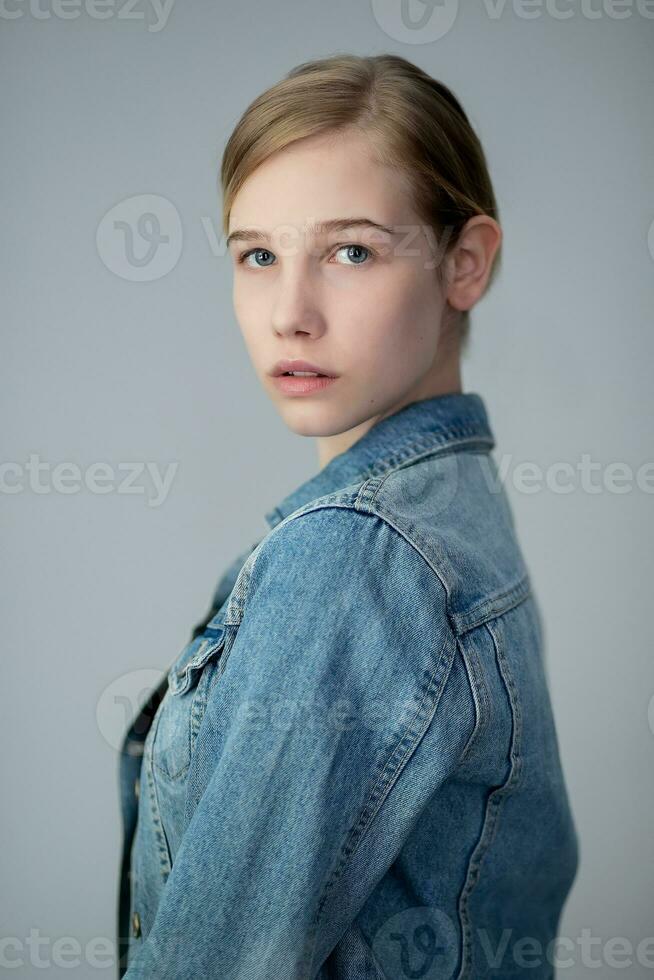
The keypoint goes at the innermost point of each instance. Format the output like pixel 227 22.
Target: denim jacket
pixel 352 770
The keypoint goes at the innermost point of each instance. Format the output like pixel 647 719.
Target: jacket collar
pixel 414 429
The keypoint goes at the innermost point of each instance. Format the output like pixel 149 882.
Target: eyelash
pixel 337 248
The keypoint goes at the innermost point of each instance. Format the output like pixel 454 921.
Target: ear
pixel 469 264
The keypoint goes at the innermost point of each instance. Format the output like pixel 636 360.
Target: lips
pixel 302 385
pixel 303 368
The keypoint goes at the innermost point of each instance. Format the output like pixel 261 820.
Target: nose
pixel 296 308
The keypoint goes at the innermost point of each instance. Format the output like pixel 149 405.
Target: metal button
pixel 136 925
pixel 137 787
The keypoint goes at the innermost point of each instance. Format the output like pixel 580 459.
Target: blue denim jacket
pixel 353 770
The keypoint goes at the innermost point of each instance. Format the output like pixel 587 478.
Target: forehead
pixel 318 178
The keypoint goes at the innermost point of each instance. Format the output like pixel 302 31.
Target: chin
pixel 312 420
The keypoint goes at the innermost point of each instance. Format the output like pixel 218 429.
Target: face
pixel 360 301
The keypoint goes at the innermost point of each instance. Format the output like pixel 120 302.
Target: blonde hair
pixel 415 124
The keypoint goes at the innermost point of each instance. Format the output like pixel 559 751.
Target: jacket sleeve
pixel 336 671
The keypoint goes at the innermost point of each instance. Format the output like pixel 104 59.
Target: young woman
pixel 352 769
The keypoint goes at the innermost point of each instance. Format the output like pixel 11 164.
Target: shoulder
pixel 229 576
pixel 336 599
pixel 453 506
pixel 341 560
pixel 330 536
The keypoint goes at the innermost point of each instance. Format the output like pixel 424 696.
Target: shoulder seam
pixel 365 502
pixel 359 505
pixel 359 500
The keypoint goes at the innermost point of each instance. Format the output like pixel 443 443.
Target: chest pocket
pixel 178 719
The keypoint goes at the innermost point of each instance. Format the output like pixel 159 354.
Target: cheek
pixel 418 325
pixel 241 299
pixel 397 346
pixel 250 315
pixel 409 353
pixel 403 319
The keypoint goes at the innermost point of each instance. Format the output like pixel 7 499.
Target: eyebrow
pixel 318 228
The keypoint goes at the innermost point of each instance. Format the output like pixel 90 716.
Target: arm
pixel 334 675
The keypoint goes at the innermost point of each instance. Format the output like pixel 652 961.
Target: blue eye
pixel 356 254
pixel 355 248
pixel 255 251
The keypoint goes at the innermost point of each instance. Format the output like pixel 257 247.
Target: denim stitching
pixel 493 607
pixel 162 843
pixel 160 769
pixel 383 786
pixel 477 683
pixel 493 801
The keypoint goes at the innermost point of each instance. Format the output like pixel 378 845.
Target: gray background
pixel 97 367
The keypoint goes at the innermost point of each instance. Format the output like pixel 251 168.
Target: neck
pixel 443 379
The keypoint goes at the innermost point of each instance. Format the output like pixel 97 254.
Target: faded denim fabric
pixel 352 768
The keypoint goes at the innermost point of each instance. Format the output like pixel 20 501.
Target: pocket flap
pixel 193 658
